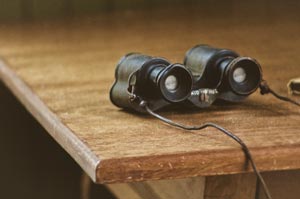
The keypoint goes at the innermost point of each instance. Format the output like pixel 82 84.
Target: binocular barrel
pixel 174 82
pixel 235 77
pixel 154 79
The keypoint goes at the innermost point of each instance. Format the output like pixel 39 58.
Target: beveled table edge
pixel 60 132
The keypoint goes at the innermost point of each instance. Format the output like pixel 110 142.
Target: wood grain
pixel 192 188
pixel 230 187
pixel 215 187
pixel 62 72
pixel 283 184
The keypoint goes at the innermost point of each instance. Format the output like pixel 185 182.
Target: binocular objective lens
pixel 171 83
pixel 239 75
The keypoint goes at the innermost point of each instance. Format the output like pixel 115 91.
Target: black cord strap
pixel 265 89
pixel 226 132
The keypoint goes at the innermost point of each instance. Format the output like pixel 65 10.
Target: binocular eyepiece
pixel 207 74
pixel 153 79
pixel 233 76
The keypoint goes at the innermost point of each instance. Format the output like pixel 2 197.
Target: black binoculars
pixel 206 74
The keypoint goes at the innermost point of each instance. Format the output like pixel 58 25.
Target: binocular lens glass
pixel 244 75
pixel 239 75
pixel 171 83
pixel 175 83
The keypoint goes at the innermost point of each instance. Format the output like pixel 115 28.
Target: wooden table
pixel 62 71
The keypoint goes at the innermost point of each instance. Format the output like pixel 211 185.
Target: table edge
pixel 78 150
pixel 196 164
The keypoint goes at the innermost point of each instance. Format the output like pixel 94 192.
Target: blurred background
pixel 14 10
pixel 46 9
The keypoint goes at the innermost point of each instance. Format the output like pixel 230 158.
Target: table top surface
pixel 62 72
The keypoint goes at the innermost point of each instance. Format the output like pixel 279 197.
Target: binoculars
pixel 207 74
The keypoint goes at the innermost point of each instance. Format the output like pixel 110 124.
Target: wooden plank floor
pixel 62 72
